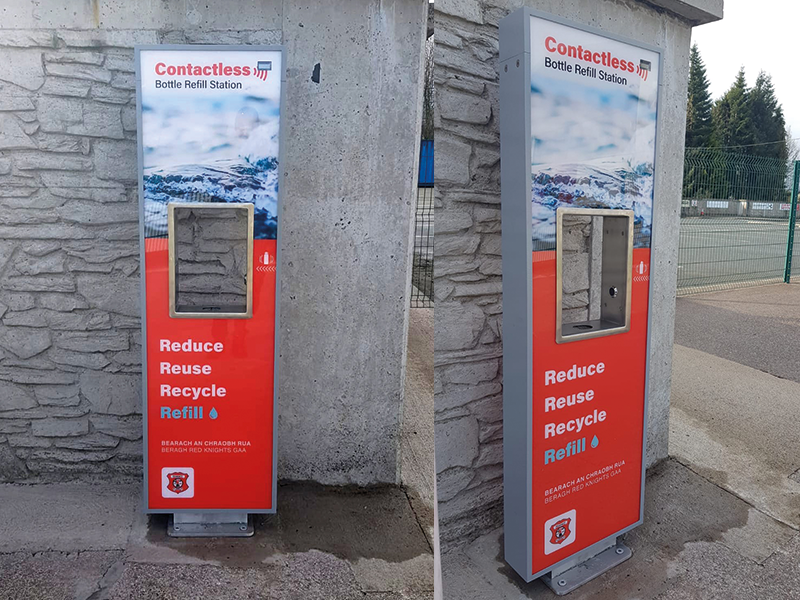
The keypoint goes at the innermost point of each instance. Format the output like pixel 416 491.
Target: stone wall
pixel 468 267
pixel 70 342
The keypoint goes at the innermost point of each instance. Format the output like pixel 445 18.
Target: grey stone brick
pixel 456 442
pixel 99 38
pixel 57 395
pixel 26 440
pixel 15 397
pixel 127 428
pixel 88 58
pixel 472 372
pixel 126 81
pixel 114 294
pixel 458 60
pixel 13 426
pixel 112 95
pixel 490 454
pixel 112 393
pixel 11 468
pixel 448 38
pixel 9 103
pixel 26 264
pixel 49 283
pixel 463 9
pixel 452 160
pixel 36 162
pixel 129 118
pixel 459 81
pixel 99 120
pixel 85 360
pixel 460 324
pixel 24 342
pixel 61 302
pixel 87 213
pixel 60 427
pixel 449 265
pixel 92 342
pixel 12 137
pixel 27 38
pixel 492 266
pixel 62 143
pixel 71 456
pixel 478 289
pixel 461 395
pixel 22 375
pixel 450 221
pixel 22 216
pixel 79 71
pixel 58 114
pixel 468 108
pixel 452 481
pixel 456 244
pixel 120 62
pixel 22 67
pixel 92 441
pixel 5 166
pixel 57 86
pixel 116 160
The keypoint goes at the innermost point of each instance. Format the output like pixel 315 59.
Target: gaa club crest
pixel 560 531
pixel 178 482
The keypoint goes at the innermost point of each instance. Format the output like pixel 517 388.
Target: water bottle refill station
pixel 209 150
pixel 578 121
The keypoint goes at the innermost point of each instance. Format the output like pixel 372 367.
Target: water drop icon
pixel 595 441
pixel 213 414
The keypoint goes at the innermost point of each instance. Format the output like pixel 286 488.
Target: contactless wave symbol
pixel 263 67
pixel 643 68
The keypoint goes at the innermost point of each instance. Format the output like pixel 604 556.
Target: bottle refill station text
pixel 578 128
pixel 209 155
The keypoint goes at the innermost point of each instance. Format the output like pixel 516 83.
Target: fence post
pixel 787 274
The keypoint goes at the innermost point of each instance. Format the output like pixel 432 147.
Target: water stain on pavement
pixel 346 521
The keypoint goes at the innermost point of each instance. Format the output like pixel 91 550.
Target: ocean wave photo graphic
pixel 592 148
pixel 211 150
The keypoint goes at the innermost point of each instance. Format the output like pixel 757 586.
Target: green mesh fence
pixel 735 221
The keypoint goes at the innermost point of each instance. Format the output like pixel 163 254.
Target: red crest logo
pixel 560 531
pixel 178 482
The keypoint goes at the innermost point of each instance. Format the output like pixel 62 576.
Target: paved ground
pixel 722 515
pixel 90 541
pixel 718 250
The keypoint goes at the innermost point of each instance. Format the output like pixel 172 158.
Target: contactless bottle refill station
pixel 578 128
pixel 209 156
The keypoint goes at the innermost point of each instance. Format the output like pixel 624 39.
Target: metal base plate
pixel 210 529
pixel 588 570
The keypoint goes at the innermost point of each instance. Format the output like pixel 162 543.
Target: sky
pixel 759 36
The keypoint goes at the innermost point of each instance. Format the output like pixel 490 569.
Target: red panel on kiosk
pixel 596 486
pixel 209 139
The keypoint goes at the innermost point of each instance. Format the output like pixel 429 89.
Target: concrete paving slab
pixel 687 518
pixel 416 441
pixel 758 327
pixel 54 575
pixel 376 575
pixel 737 426
pixel 66 516
pixel 309 575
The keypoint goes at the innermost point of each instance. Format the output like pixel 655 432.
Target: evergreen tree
pixel 733 132
pixel 698 110
pixel 767 118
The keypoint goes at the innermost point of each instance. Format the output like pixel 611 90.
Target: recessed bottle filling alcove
pixel 594 258
pixel 210 260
